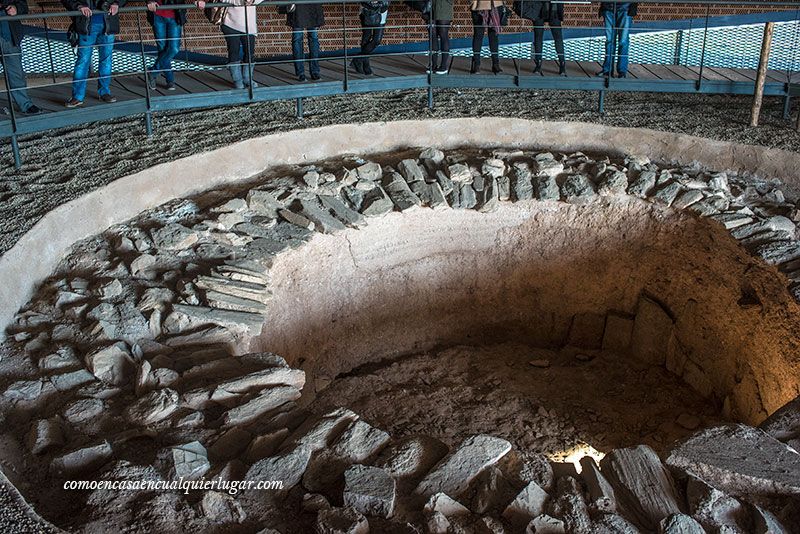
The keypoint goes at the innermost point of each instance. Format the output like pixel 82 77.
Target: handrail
pixel 141 9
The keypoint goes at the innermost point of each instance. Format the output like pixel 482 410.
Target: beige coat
pixel 483 5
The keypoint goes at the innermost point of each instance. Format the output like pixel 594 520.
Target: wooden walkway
pixel 125 87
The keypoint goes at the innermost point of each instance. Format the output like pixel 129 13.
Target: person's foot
pixel 301 77
pixel 33 109
pixel 108 98
pixel 441 70
pixel 73 103
pixel 622 75
pixel 602 74
pixel 151 82
pixel 537 67
pixel 316 76
pixel 367 70
pixel 356 64
pixel 171 86
pixel 238 84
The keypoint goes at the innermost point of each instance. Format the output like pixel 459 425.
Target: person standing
pixel 485 19
pixel 541 13
pixel 240 27
pixel 305 18
pixel 10 39
pixel 617 19
pixel 442 16
pixel 373 20
pixel 96 26
pixel 167 27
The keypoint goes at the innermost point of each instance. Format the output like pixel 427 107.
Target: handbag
pixel 423 6
pixel 72 35
pixel 216 14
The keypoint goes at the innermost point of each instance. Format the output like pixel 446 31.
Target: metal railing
pixel 689 62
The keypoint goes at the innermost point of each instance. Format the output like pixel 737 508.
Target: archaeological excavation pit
pixel 424 340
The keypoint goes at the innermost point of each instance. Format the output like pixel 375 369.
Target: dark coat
pixel 442 9
pixel 633 7
pixel 15 26
pixel 180 14
pixel 546 11
pixel 306 16
pixel 84 24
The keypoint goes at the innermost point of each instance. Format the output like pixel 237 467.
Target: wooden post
pixel 758 95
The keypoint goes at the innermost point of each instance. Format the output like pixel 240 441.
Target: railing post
pixel 676 56
pixel 761 76
pixel 298 110
pixel 248 51
pixel 148 119
pixel 703 50
pixel 14 144
pixel 49 49
pixel 346 79
pixel 431 23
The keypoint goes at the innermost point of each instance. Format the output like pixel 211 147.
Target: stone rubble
pixel 145 338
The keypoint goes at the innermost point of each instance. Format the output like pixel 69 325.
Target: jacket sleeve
pixel 633 9
pixel 21 5
pixel 74 5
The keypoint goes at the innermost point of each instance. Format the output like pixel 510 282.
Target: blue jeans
pixel 16 76
pixel 168 40
pixel 313 51
pixel 618 28
pixel 105 46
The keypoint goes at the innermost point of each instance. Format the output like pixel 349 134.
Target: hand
pixel 11 11
pixel 113 9
pixel 200 4
pixel 151 6
pixel 85 11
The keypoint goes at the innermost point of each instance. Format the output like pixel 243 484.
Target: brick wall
pixel 202 36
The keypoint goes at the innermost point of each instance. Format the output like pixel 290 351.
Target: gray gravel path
pixel 66 163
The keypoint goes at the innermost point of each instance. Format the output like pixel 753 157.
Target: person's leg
pixel 249 45
pixel 538 44
pixel 105 50
pixel 608 24
pixel 160 37
pixel 494 48
pixel 368 47
pixel 558 39
pixel 83 63
pixel 624 29
pixel 234 45
pixel 172 48
pixel 477 41
pixel 444 44
pixel 16 76
pixel 297 52
pixel 313 53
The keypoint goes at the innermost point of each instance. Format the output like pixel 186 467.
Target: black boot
pixel 496 64
pixel 476 65
pixel 357 65
pixel 537 66
pixel 562 66
pixel 365 66
pixel 444 66
pixel 434 62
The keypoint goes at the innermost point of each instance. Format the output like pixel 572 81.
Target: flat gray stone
pixel 784 423
pixel 667 194
pixel 343 212
pixel 779 252
pixel 740 461
pixel 341 521
pixel 528 504
pixel 544 524
pixel 412 457
pixel 490 198
pixel 687 198
pixel 320 433
pixel 297 219
pixel 113 364
pixel 322 219
pixel 370 490
pixel 219 507
pixel 44 435
pixel 68 381
pixel 680 524
pixel 493 168
pixel 577 188
pixel 714 510
pixel 521 181
pixel 174 236
pixel 600 491
pixel 467 197
pixel 269 399
pixel 264 202
pixel 454 474
pixel 288 467
pixel 459 173
pixel 376 202
pixel 190 461
pixel 411 171
pixel 642 184
pixel 84 460
pixel 360 441
pixel 370 171
pixel 568 504
pixel 643 487
pixel 442 503
pixel 402 196
pixel 153 407
pixel 614 183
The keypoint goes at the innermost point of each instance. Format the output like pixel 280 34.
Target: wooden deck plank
pixel 185 81
pixel 640 72
pixel 733 74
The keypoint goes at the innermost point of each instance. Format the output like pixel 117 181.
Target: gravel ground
pixel 64 164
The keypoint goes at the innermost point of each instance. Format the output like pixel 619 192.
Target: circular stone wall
pixel 156 349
